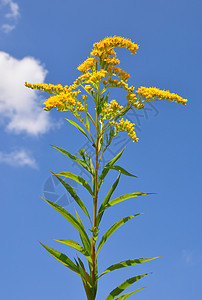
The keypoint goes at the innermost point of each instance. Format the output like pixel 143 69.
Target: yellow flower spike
pixel 79 106
pixel 111 110
pixel 49 88
pixel 87 64
pixel 154 93
pixel 112 60
pixel 118 72
pixel 126 125
pixel 111 42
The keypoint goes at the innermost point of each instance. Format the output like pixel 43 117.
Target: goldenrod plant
pixel 100 72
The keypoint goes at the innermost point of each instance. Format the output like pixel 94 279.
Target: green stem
pixel 94 229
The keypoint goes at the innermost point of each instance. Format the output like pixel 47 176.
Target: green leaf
pixel 72 220
pixel 87 123
pixel 124 286
pixel 79 128
pixel 125 296
pixel 78 179
pixel 76 246
pixel 76 159
pixel 106 200
pixel 126 263
pixel 120 169
pixel 86 279
pixel 74 195
pixel 62 258
pixel 125 197
pixel 106 170
pixel 112 229
pixel 83 239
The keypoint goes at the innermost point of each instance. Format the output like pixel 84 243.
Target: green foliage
pixel 126 263
pixel 112 229
pixel 106 168
pixel 124 286
pixel 77 224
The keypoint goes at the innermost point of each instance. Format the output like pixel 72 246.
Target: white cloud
pixel 6 28
pixel 11 13
pixel 14 10
pixel 18 159
pixel 20 107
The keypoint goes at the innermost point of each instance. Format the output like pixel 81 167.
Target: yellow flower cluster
pixel 131 97
pixel 96 76
pixel 110 81
pixel 120 84
pixel 50 88
pixel 125 125
pixel 119 72
pixel 81 79
pixel 112 109
pixel 111 42
pixel 64 101
pixel 88 77
pixel 112 60
pixel 153 93
pixel 87 64
pixel 79 106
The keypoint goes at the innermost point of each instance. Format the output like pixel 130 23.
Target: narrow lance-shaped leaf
pixel 79 128
pixel 83 238
pixel 126 263
pixel 112 229
pixel 126 296
pixel 74 195
pixel 106 170
pixel 106 200
pixel 72 220
pixel 78 179
pixel 73 157
pixel 86 279
pixel 87 123
pixel 124 197
pixel 124 286
pixel 76 246
pixel 62 258
pixel 120 169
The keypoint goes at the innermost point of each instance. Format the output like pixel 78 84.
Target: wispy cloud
pixel 6 28
pixel 10 13
pixel 18 158
pixel 191 257
pixel 20 107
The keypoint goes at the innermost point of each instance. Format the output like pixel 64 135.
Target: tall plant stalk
pixel 100 73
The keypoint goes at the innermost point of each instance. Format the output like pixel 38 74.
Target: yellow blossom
pixel 111 110
pixel 79 106
pixel 126 125
pixel 87 64
pixel 111 42
pixel 63 101
pixel 112 60
pixel 153 93
pixel 96 76
pixel 119 72
pixel 50 88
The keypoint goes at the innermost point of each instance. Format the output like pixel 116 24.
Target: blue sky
pixel 44 41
